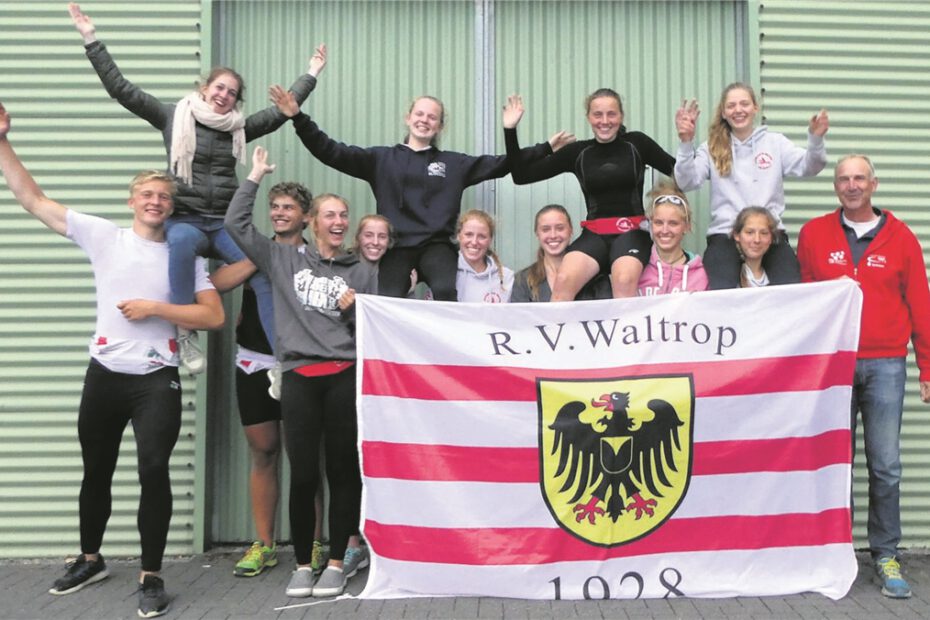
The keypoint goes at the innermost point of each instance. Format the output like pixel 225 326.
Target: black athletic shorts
pixel 605 249
pixel 255 404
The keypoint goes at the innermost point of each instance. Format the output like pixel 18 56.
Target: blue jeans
pixel 189 236
pixel 878 392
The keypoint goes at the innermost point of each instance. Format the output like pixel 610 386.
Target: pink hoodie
pixel 661 278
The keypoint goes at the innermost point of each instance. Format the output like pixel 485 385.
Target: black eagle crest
pixel 623 454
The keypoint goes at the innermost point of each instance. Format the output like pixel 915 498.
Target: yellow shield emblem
pixel 615 454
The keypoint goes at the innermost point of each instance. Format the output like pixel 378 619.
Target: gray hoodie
pixel 760 164
pixel 310 327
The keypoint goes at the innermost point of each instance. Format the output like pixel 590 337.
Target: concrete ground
pixel 203 587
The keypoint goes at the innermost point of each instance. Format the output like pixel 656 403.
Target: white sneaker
pixel 301 583
pixel 189 351
pixel 274 381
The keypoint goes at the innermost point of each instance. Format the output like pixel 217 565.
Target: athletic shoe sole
pixel 98 577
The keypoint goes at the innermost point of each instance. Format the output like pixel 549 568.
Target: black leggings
pixel 723 262
pixel 152 403
pixel 436 263
pixel 311 408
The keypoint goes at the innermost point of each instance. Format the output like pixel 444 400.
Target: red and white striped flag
pixel 684 445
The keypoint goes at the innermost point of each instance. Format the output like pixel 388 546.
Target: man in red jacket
pixel 880 252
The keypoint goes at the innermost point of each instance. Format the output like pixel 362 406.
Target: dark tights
pixel 315 408
pixel 152 403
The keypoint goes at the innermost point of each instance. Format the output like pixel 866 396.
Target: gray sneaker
pixel 356 558
pixel 153 600
pixel 189 351
pixel 301 583
pixel 331 583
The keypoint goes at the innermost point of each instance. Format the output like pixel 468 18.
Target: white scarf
pixel 184 136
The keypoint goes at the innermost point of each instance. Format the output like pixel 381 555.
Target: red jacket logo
pixel 837 258
pixel 763 161
pixel 876 260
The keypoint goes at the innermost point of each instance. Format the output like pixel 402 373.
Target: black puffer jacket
pixel 214 167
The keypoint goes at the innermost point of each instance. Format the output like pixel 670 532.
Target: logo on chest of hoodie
pixel 876 260
pixel 763 161
pixel 436 169
pixel 319 293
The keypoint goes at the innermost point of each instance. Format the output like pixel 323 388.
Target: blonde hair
pixel 537 272
pixel 315 209
pixel 668 187
pixel 153 175
pixel 367 219
pixel 487 220
pixel 442 117
pixel 718 141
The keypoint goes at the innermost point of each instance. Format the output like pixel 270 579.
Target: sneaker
pixel 893 584
pixel 274 381
pixel 189 350
pixel 256 559
pixel 153 600
pixel 80 573
pixel 356 558
pixel 331 583
pixel 319 557
pixel 301 583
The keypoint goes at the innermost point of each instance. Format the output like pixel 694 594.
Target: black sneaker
pixel 79 574
pixel 153 600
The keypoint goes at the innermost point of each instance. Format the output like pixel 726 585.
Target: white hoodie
pixel 485 286
pixel 760 164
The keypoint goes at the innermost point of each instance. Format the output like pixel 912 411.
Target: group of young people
pixel 297 315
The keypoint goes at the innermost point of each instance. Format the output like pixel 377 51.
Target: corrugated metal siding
pixel 866 63
pixel 83 149
pixel 381 56
pixel 653 53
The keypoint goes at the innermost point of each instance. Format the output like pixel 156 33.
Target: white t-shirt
pixel 126 266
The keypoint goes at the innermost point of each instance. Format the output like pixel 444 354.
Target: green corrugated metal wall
pixel 866 62
pixel 83 149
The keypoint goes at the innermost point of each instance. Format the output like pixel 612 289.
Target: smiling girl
pixel 746 165
pixel 481 276
pixel 610 167
pixel 754 232
pixel 671 268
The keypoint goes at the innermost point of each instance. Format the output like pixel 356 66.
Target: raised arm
pixel 24 187
pixel 352 160
pixel 238 222
pixel 130 96
pixel 809 161
pixel 271 118
pixel 534 163
pixel 692 165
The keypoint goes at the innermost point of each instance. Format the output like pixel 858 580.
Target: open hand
pixel 82 22
pixel 318 60
pixel 513 111
pixel 285 101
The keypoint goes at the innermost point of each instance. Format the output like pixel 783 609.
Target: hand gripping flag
pixel 684 445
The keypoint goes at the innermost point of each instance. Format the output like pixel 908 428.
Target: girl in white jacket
pixel 746 166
